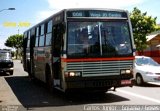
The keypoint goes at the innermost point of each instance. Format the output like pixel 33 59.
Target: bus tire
pixel 29 69
pixel 49 80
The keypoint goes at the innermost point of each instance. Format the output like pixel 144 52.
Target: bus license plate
pixel 125 82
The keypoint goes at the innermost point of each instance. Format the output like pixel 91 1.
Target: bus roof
pixel 76 9
pixel 105 9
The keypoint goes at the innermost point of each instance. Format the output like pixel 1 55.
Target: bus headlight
pixel 72 74
pixel 126 71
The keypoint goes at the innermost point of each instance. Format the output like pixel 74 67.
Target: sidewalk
pixel 7 97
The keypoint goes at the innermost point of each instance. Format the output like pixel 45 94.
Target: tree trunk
pixel 17 53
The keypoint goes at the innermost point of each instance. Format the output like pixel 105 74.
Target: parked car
pixel 146 70
pixel 6 62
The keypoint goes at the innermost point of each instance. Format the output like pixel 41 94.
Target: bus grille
pixel 99 68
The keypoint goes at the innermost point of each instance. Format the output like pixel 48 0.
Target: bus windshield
pixel 95 39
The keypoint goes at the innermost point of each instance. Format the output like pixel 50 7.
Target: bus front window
pixel 83 39
pixel 115 38
pixel 95 39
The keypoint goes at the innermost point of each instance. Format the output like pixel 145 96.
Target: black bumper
pixel 98 83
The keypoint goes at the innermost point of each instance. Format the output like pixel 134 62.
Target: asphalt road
pixel 19 91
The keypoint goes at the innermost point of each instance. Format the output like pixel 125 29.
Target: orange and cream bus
pixel 86 49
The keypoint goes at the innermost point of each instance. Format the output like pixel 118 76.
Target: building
pixel 153 42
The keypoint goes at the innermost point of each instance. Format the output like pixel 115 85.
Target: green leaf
pixel 142 25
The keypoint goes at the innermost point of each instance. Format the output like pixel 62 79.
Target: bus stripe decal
pixel 97 59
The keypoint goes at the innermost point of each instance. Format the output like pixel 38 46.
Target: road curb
pixel 7 96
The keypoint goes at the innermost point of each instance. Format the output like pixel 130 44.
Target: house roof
pixel 149 37
pixel 154 35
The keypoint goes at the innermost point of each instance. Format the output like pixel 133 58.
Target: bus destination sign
pixel 104 14
pixel 96 13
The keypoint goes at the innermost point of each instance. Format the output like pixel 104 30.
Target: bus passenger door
pixel 57 48
pixel 32 45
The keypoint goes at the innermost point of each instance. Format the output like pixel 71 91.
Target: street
pixel 19 90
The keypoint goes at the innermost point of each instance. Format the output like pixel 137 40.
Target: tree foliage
pixel 142 25
pixel 14 41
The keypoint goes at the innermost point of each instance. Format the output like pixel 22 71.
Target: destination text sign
pixel 96 13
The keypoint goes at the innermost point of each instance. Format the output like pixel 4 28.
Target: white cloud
pixel 61 4
pixel 43 15
pixel 2 41
pixel 56 5
pixel 5 32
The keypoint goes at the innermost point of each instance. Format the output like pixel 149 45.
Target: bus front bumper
pixel 99 84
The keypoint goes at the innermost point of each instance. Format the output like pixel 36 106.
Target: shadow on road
pixel 147 85
pixel 4 74
pixel 32 94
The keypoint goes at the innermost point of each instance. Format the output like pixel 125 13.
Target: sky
pixel 30 12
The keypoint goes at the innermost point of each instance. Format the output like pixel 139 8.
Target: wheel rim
pixel 139 80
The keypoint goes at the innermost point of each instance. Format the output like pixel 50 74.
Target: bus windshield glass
pixel 99 39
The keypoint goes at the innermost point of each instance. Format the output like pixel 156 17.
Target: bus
pixel 81 49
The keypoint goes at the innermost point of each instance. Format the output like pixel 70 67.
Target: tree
pixel 158 27
pixel 142 25
pixel 14 41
